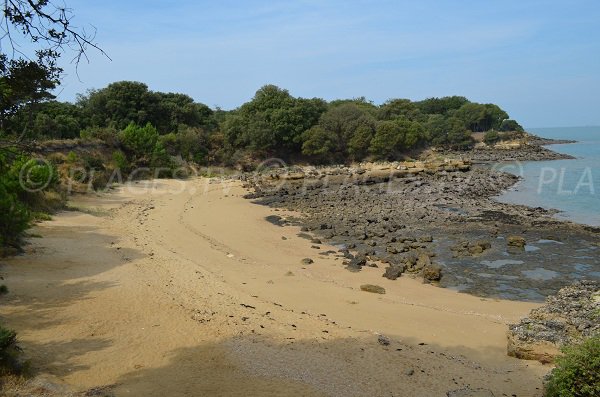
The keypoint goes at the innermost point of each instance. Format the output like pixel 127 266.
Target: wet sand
pixel 186 289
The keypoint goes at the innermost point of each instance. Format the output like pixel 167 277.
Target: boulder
pixel 467 248
pixel 307 261
pixel 432 273
pixel 356 264
pixel 515 241
pixel 394 271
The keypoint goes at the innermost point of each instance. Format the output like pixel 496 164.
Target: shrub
pixel 72 157
pixel 107 135
pixel 491 137
pixel 577 373
pixel 120 160
pixel 14 218
pixel 8 338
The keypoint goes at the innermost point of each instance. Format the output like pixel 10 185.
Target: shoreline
pixel 136 296
pixel 398 217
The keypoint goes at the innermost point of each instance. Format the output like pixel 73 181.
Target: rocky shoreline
pixel 437 221
pixel 568 317
pixel 523 153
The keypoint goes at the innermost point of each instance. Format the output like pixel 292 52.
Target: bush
pixel 72 157
pixel 577 373
pixel 14 218
pixel 120 160
pixel 491 137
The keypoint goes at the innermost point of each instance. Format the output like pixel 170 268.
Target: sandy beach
pixel 183 288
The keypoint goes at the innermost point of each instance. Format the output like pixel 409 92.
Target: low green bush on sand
pixel 577 372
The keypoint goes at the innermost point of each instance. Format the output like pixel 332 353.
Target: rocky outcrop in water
pixel 567 317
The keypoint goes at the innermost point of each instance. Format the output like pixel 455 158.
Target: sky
pixel 538 60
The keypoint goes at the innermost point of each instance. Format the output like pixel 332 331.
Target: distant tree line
pixel 272 124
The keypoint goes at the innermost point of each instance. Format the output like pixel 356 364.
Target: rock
pixel 422 261
pixel 468 392
pixel 356 263
pixel 376 289
pixel 316 241
pixel 478 247
pixel 391 249
pixel 566 318
pixel 541 351
pixel 515 241
pixel 383 340
pixel 394 271
pixel 432 272
pixel 307 261
pixel 426 239
pixel 466 248
pixel 409 372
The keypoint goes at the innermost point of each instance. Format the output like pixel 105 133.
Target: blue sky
pixel 539 60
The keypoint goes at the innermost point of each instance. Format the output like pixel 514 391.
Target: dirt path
pixel 184 289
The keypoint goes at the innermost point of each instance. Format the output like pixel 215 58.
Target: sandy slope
pixel 183 289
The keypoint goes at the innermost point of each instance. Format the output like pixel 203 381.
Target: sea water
pixel 570 186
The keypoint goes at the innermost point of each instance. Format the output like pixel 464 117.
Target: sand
pixel 171 288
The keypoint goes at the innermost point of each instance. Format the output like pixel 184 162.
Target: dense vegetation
pixel 272 124
pixel 577 373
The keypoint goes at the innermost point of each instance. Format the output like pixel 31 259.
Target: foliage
pixel 14 217
pixel 491 137
pixel 126 102
pixel 272 122
pixel 25 83
pixel 442 106
pixel 481 117
pixel 7 339
pixel 144 146
pixel 577 373
pixel 510 125
pixel 318 143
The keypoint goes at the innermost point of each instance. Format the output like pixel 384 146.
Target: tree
pixel 441 105
pixel 479 117
pixel 404 108
pixel 25 84
pixel 510 125
pixel 28 78
pixel 319 143
pixel 272 122
pixel 386 140
pixel 343 121
pixel 144 145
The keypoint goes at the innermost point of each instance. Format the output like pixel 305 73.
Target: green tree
pixel 272 122
pixel 386 141
pixel 342 122
pixel 359 144
pixel 319 143
pixel 400 108
pixel 25 84
pixel 144 145
pixel 510 125
pixel 479 117
pixel 442 105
